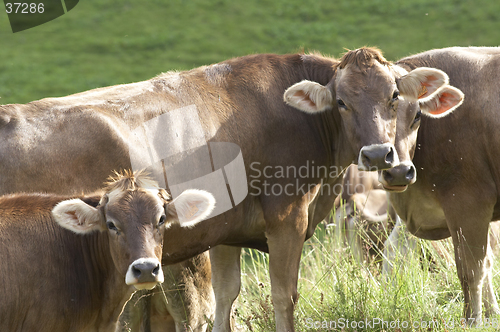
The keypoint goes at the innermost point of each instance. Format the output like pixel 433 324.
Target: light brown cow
pixel 238 101
pixel 458 175
pixel 71 263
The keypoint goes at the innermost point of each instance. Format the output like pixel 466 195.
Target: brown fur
pixel 362 58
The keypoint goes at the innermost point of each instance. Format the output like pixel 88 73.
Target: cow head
pixel 135 213
pixel 366 90
pixel 437 105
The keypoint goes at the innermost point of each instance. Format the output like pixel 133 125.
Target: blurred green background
pixel 105 42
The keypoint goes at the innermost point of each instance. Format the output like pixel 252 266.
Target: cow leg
pixel 469 230
pixel 489 298
pixel 285 241
pixel 226 282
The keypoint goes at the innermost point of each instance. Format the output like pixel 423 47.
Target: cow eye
pixel 417 116
pixel 341 103
pixel 110 225
pixel 395 95
pixel 162 220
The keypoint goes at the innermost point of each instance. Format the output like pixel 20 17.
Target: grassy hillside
pixel 104 42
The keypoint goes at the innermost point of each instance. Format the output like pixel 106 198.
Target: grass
pixel 105 42
pixel 423 292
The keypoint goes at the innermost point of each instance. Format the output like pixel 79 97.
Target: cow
pixel 71 263
pixel 363 217
pixel 348 111
pixel 456 193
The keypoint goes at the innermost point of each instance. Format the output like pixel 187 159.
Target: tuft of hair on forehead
pixel 362 58
pixel 128 180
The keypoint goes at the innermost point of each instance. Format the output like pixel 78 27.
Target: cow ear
pixel 78 216
pixel 309 97
pixel 191 207
pixel 421 83
pixel 445 101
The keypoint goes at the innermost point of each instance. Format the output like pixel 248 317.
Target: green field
pixel 106 42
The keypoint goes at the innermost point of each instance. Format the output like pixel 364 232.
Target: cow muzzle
pixel 377 157
pixel 144 273
pixel 398 178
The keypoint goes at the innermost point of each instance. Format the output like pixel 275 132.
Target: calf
pixel 70 264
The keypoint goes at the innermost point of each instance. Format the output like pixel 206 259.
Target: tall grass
pixel 422 294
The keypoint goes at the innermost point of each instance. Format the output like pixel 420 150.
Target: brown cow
pixel 458 175
pixel 238 101
pixel 70 264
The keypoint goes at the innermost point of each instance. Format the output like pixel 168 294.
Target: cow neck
pixel 106 287
pixel 201 237
pixel 329 131
pixel 321 70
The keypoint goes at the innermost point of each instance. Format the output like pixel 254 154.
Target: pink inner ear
pixel 446 101
pixel 73 217
pixel 305 98
pixel 424 92
pixel 431 78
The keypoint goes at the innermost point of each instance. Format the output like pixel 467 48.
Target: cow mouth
pixel 398 189
pixel 145 285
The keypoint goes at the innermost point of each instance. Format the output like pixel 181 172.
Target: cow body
pixel 458 175
pixel 70 264
pixel 355 105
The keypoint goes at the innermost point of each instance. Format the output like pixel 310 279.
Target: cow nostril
pixel 156 270
pixel 388 176
pixel 366 160
pixel 411 173
pixel 137 272
pixel 389 157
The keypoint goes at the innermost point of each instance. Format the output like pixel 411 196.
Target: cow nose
pixel 377 157
pixel 401 175
pixel 144 273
